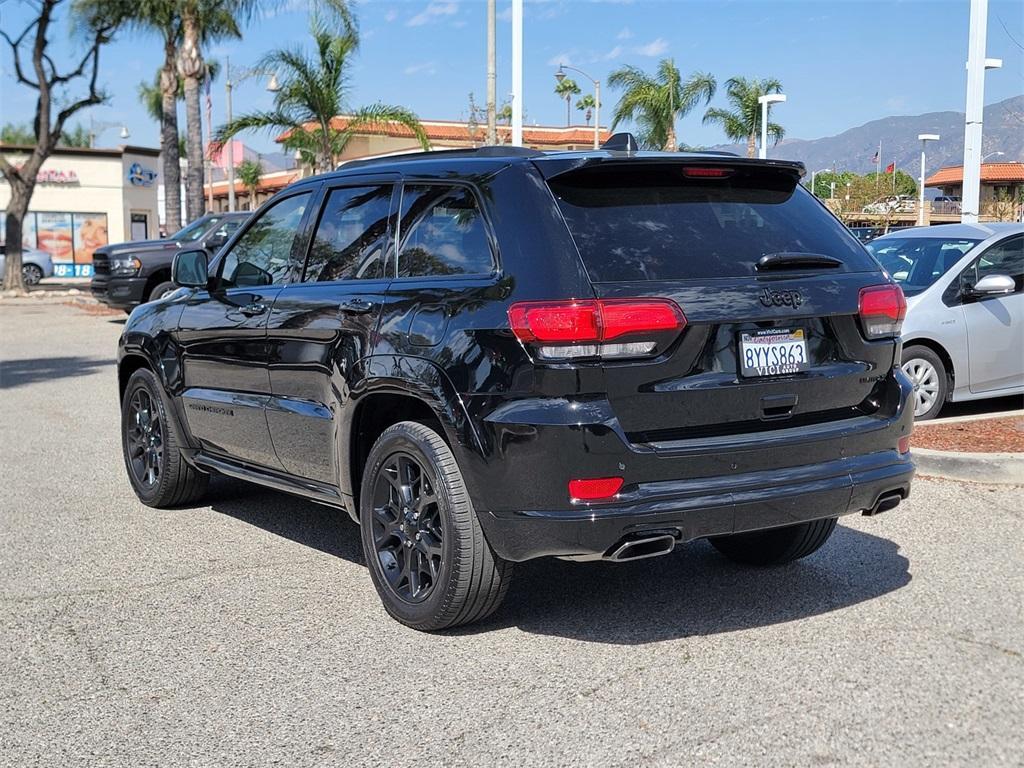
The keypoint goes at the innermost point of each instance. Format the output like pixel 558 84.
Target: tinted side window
pixel 351 235
pixel 262 256
pixel 443 233
pixel 1005 258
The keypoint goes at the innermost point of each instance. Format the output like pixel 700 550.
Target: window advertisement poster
pixel 53 235
pixel 90 232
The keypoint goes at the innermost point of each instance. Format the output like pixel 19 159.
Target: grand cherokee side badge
pixel 781 298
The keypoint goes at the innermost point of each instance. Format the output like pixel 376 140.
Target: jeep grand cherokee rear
pixel 495 355
pixel 731 375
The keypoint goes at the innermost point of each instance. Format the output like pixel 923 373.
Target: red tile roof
pixel 991 173
pixel 446 130
pixel 268 182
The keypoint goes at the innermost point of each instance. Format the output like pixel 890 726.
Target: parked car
pixel 963 338
pixel 35 264
pixel 487 356
pixel 892 204
pixel 128 274
pixel 867 234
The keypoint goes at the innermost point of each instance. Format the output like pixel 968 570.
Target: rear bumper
pixel 691 488
pixel 119 292
pixel 705 507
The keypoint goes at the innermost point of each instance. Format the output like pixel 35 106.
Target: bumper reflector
pixel 594 489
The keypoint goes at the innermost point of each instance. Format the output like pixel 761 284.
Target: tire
pixel 776 546
pixel 161 289
pixel 930 379
pixel 31 274
pixel 152 455
pixel 424 584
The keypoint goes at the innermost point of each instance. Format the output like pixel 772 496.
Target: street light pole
pixel 243 75
pixel 977 63
pixel 517 73
pixel 991 154
pixel 924 138
pixel 764 101
pixel 492 76
pixel 814 174
pixel 560 76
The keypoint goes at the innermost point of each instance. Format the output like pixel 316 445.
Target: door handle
pixel 251 310
pixel 356 306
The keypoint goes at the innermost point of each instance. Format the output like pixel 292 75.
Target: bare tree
pixel 36 69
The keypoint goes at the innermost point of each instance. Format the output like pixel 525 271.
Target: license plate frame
pixel 771 352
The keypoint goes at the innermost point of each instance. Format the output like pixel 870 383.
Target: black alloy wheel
pixel 145 439
pixel 427 555
pixel 408 535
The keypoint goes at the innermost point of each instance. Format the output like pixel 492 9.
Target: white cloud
pixel 424 67
pixel 624 34
pixel 432 13
pixel 653 48
pixel 560 58
pixel 505 15
pixel 390 15
pixel 614 53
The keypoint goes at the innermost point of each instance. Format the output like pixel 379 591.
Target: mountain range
pixel 854 149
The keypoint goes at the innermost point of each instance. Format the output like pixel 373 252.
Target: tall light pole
pixel 924 138
pixel 991 154
pixel 517 73
pixel 814 174
pixel 976 66
pixel 764 101
pixel 560 76
pixel 243 75
pixel 492 76
pixel 95 129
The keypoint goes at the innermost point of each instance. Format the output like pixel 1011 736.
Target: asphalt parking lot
pixel 246 631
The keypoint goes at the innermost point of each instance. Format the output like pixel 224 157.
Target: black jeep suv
pixel 128 274
pixel 495 355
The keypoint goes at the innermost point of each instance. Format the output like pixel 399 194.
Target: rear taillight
pixel 882 309
pixel 703 172
pixel 563 330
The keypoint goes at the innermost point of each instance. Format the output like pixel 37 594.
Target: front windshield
pixel 917 262
pixel 193 231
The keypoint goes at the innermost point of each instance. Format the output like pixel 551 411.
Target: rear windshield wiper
pixel 787 260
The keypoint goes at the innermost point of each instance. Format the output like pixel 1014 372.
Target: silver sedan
pixel 963 337
pixel 35 265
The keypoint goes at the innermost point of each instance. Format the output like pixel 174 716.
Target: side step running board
pixel 308 489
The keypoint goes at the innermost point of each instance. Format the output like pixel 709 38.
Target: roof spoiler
pixel 554 165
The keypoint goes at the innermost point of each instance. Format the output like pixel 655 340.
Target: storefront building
pixel 85 198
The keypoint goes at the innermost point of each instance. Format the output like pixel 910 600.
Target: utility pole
pixel 517 73
pixel 492 76
pixel 976 66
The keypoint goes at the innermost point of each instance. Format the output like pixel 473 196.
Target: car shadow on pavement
pixel 693 591
pixel 313 525
pixel 696 591
pixel 20 373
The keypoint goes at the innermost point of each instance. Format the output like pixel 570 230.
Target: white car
pixel 35 264
pixel 963 337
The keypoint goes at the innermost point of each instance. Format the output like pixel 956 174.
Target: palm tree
pixel 249 173
pixel 656 102
pixel 161 17
pixel 313 91
pixel 586 106
pixel 743 121
pixel 566 89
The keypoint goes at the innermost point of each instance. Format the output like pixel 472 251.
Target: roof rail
pixel 499 150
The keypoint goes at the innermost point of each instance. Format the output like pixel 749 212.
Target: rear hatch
pixel 770 284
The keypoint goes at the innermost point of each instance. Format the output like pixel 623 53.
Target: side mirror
pixel 190 269
pixel 215 241
pixel 993 285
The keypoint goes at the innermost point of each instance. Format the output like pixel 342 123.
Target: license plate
pixel 773 352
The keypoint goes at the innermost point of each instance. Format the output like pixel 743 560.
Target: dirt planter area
pixel 998 435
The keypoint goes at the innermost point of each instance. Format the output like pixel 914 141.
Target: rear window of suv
pixel 654 223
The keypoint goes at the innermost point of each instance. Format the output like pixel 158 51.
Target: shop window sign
pixel 69 238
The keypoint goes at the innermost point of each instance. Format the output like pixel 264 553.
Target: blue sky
pixel 841 63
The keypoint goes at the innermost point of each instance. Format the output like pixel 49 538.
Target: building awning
pixel 991 173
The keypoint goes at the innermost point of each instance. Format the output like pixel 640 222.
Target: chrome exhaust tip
pixel 884 504
pixel 638 549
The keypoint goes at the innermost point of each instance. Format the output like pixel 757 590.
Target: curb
pixel 964 419
pixel 994 468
